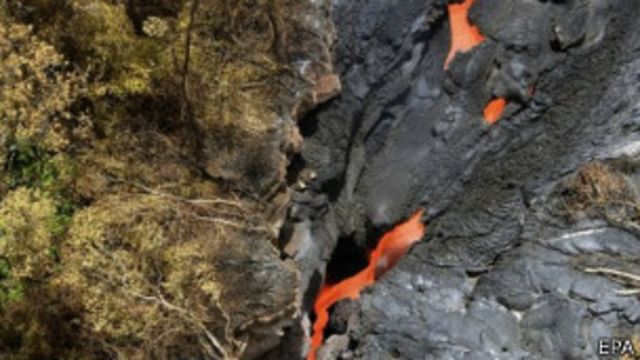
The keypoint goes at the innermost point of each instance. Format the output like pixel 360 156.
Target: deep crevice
pixel 347 260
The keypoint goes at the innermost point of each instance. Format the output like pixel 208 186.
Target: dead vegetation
pixel 604 191
pixel 601 190
pixel 630 281
pixel 595 187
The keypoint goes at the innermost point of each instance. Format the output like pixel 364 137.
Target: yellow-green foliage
pixel 26 220
pixel 231 73
pixel 142 268
pixel 94 112
pixel 99 38
pixel 35 92
pixel 103 37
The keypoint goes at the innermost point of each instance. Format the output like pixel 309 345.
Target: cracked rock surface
pixel 506 270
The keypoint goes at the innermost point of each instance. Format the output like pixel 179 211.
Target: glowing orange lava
pixel 393 245
pixel 464 35
pixel 493 110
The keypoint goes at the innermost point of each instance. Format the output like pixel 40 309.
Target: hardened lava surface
pixel 506 270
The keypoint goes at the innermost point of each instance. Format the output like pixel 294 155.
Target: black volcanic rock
pixel 501 273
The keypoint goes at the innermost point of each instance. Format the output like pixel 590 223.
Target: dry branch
pixel 633 279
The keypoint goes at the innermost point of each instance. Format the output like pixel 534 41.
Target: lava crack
pixel 393 245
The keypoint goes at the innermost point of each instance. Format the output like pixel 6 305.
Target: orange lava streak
pixel 493 110
pixel 464 35
pixel 393 245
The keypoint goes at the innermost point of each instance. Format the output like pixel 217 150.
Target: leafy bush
pixel 35 90
pixel 145 267
pixel 26 217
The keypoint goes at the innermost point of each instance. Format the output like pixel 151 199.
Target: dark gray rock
pixel 500 274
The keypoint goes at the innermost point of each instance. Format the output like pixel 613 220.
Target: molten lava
pixel 493 110
pixel 393 245
pixel 464 35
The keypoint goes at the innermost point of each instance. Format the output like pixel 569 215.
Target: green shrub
pixel 11 289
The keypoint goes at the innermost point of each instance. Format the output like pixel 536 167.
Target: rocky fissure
pixel 505 269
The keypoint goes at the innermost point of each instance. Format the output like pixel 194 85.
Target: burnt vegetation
pixel 602 190
pixel 605 191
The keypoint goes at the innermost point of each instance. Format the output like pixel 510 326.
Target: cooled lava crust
pixel 500 273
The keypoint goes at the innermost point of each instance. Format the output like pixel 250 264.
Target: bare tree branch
pixel 614 272
pixel 632 280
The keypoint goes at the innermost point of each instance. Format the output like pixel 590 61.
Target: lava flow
pixel 393 245
pixel 464 37
pixel 494 109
